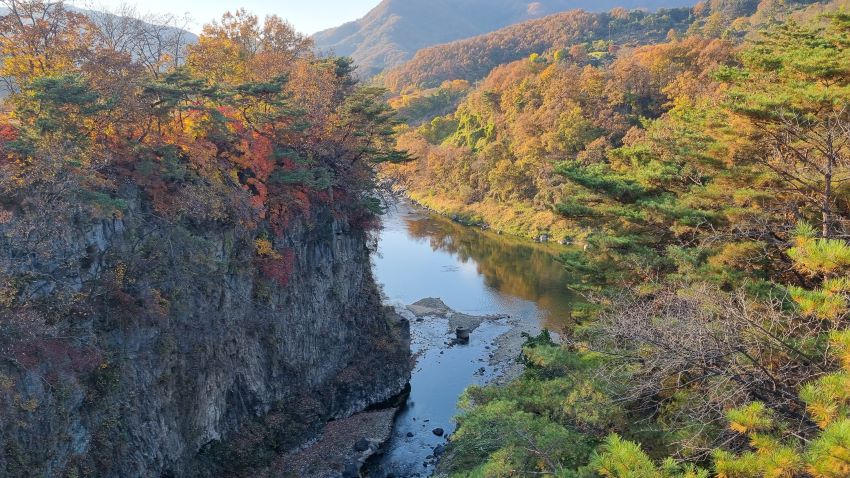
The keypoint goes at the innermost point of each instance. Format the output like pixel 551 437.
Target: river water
pixel 475 272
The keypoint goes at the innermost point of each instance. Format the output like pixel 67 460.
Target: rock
pixel 462 334
pixel 409 434
pixel 429 307
pixel 326 457
pixel 330 304
pixel 439 450
pixel 351 471
pixel 361 445
pixel 543 238
pixel 439 432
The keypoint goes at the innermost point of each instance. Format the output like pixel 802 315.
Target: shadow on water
pixel 475 272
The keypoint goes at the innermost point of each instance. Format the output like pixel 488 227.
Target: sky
pixel 308 16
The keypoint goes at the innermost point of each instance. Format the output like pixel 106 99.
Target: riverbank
pixel 498 286
pixel 517 219
pixel 343 448
pixel 444 368
pixel 502 353
pixel 407 439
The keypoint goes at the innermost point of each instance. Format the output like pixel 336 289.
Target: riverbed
pixel 511 286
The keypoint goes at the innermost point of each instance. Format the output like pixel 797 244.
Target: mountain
pixel 396 29
pixel 473 58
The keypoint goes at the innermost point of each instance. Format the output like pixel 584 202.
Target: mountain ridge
pixel 395 30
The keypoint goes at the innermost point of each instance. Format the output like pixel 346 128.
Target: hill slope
pixel 394 30
pixel 472 58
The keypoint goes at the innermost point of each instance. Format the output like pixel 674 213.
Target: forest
pixel 693 164
pixel 702 185
pixel 245 127
pixel 143 177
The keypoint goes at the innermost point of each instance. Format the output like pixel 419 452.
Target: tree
pixel 827 261
pixel 790 100
pixel 620 458
pixel 39 38
pixel 157 42
pixel 240 48
pixel 368 124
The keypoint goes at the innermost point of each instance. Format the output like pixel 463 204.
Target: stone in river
pixel 439 432
pixel 361 445
pixel 351 471
pixel 462 334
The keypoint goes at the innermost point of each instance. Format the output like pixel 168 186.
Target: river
pixel 475 272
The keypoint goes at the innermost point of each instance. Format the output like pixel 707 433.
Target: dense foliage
pixel 502 146
pixel 245 130
pixel 706 180
pixel 593 37
pixel 393 31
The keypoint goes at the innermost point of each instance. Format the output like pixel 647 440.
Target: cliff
pixel 168 352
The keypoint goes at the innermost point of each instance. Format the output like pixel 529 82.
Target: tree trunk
pixel 826 209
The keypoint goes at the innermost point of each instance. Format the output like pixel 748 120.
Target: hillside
pixel 195 281
pixel 471 59
pixel 396 29
pixel 704 188
pixel 183 270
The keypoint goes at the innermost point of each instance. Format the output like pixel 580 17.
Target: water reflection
pixel 421 255
pixel 474 271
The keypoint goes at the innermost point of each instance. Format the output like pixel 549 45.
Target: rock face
pixel 210 369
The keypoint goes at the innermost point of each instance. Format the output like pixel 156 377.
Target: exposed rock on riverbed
pixel 444 368
pixel 506 347
pixel 343 448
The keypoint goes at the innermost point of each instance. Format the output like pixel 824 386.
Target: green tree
pixel 791 99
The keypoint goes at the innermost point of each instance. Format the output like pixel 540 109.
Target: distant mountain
pixel 396 29
pixel 473 58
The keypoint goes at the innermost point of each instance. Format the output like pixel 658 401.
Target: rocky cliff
pixel 161 349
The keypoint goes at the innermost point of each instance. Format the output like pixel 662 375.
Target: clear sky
pixel 308 16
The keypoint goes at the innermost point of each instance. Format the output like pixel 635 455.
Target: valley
pixel 453 239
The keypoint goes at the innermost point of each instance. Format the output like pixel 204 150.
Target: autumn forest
pixel 688 169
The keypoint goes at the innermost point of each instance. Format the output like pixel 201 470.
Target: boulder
pixel 462 334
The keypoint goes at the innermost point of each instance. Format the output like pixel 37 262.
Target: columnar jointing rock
pixel 234 373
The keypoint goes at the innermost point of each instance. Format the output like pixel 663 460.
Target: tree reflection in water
pixel 508 265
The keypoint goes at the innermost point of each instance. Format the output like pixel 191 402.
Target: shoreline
pixel 496 342
pixel 356 446
pixel 543 238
